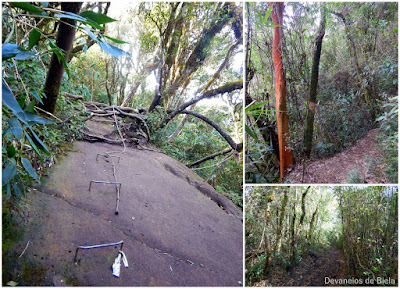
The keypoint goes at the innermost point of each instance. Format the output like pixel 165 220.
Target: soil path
pixel 362 161
pixel 314 270
pixel 177 230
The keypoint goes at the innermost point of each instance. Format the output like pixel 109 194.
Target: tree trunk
pixel 198 56
pixel 267 243
pixel 141 76
pixel 107 87
pixel 280 222
pixel 308 134
pixel 292 231
pixel 296 236
pixel 285 154
pixel 65 38
pixel 312 223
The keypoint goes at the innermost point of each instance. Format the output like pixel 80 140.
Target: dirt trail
pixel 362 161
pixel 316 269
pixel 177 230
pixel 313 270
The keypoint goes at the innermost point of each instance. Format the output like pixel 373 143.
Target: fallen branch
pixel 74 97
pixel 229 87
pixel 210 157
pixel 231 142
pixel 26 247
pixel 91 138
pixel 66 120
pixel 115 110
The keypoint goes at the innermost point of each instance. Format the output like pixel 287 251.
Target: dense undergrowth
pixel 355 93
pixel 33 140
pixel 287 225
pixel 196 140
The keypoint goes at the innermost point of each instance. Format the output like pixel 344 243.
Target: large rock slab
pixel 177 230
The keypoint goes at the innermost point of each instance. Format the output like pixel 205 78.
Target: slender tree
pixel 285 154
pixel 65 38
pixel 308 134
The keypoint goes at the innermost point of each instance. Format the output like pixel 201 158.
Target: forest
pixel 321 92
pixel 122 129
pixel 170 73
pixel 319 236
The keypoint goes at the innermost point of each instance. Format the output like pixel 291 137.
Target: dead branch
pixel 231 142
pixel 91 138
pixel 106 111
pixel 210 157
pixel 72 96
pixel 229 87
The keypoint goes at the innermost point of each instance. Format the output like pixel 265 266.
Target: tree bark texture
pixel 285 154
pixel 280 224
pixel 65 38
pixel 308 134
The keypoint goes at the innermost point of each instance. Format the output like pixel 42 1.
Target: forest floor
pixel 360 163
pixel 311 271
pixel 177 231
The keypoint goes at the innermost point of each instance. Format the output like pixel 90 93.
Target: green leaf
pixel 7 132
pixel 10 50
pixel 267 14
pixel 11 151
pixel 41 145
pixel 97 17
pixel 91 34
pixel 115 40
pixel 30 107
pixel 28 167
pixel 34 37
pixel 25 55
pixel 36 95
pixel 79 18
pixel 15 127
pixel 10 102
pixel 70 15
pixel 251 133
pixel 18 186
pixel 28 7
pixel 8 173
pixel 112 50
pixel 34 119
pixel 8 193
pixel 9 99
pixel 60 56
pixel 254 106
pixel 32 143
